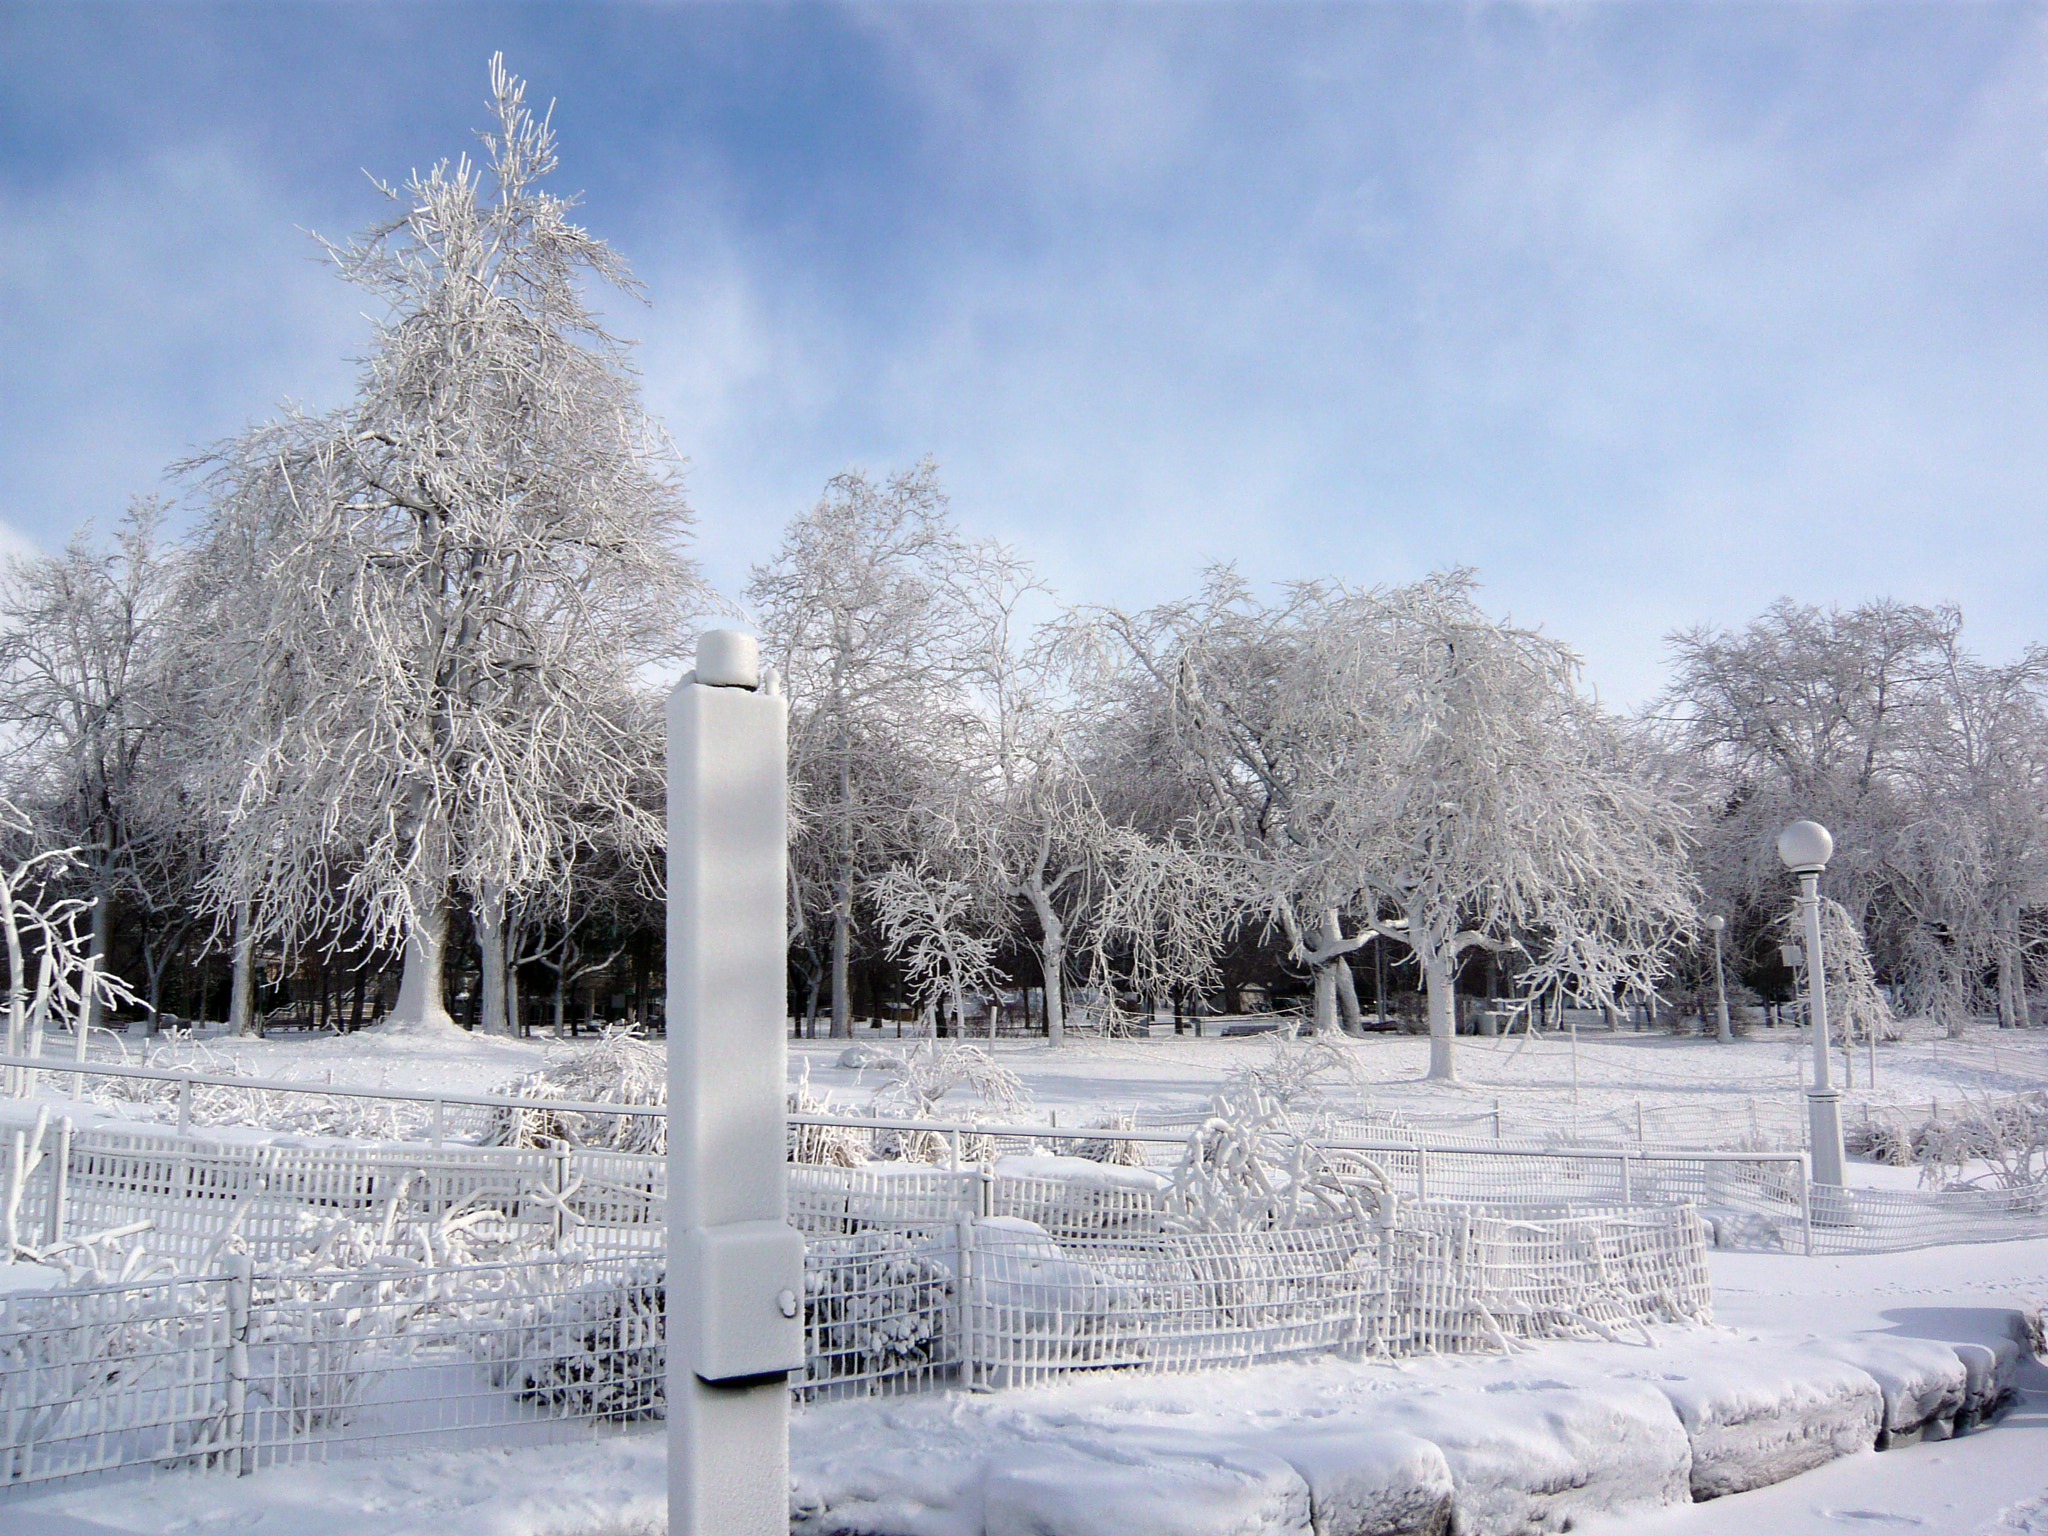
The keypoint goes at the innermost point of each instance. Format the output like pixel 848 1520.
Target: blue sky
pixel 1652 314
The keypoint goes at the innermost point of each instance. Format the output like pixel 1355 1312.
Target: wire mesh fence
pixel 248 1369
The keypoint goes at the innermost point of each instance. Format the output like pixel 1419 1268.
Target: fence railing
pixel 246 1368
pixel 1753 1198
pixel 256 1366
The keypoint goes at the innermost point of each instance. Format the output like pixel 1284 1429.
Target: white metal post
pixel 1823 1099
pixel 1722 1032
pixel 735 1268
pixel 1805 846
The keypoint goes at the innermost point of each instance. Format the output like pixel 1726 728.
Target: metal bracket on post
pixel 731 1344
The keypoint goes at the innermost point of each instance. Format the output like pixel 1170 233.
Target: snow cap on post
pixel 728 658
pixel 1804 846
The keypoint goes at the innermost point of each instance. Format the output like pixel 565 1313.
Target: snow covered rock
pixel 1369 1482
pixel 1049 1491
pixel 1923 1382
pixel 870 1489
pixel 1541 1457
pixel 1757 1414
pixel 1991 1343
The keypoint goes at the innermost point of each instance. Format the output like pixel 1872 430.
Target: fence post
pixel 1421 1173
pixel 1627 1186
pixel 239 1276
pixel 558 1170
pixel 440 1122
pixel 185 1107
pixel 970 1373
pixel 1806 1201
pixel 953 1144
pixel 1640 1137
pixel 1496 1119
pixel 60 1186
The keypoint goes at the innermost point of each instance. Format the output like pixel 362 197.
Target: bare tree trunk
pixel 1347 997
pixel 1052 960
pixel 560 1002
pixel 1326 998
pixel 490 948
pixel 102 921
pixel 1334 982
pixel 842 949
pixel 1443 1014
pixel 2012 985
pixel 242 996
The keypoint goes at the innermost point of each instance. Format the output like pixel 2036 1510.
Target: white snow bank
pixel 1138 1490
pixel 22 1276
pixel 1757 1413
pixel 1018 1267
pixel 1539 1457
pixel 1923 1382
pixel 1368 1482
pixel 614 1485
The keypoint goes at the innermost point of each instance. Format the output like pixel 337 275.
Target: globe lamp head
pixel 1806 847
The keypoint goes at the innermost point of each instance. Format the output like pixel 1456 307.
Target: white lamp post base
pixel 1824 1129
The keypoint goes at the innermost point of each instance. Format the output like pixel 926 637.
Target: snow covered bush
pixel 1113 1150
pixel 831 1146
pixel 875 1305
pixel 1248 1167
pixel 920 1079
pixel 1999 1144
pixel 71 1361
pixel 619 1069
pixel 598 1351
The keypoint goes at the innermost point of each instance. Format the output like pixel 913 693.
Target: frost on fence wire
pixel 114 1376
pixel 1892 1220
pixel 184 1372
pixel 203 1198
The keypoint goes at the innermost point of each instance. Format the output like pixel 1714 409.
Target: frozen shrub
pixel 1998 1144
pixel 598 1352
pixel 619 1069
pixel 1248 1167
pixel 1113 1150
pixel 832 1146
pixel 875 1304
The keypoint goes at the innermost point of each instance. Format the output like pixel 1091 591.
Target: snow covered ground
pixel 1986 1484
pixel 1603 1072
pixel 1126 1440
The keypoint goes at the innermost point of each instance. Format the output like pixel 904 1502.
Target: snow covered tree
pixel 863 607
pixel 81 691
pixel 1803 713
pixel 1972 862
pixel 1395 757
pixel 451 583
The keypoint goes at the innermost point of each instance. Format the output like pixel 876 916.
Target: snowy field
pixel 1990 1483
pixel 1548 1078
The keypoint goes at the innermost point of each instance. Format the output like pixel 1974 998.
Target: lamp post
pixel 1805 846
pixel 1721 1031
pixel 735 1266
